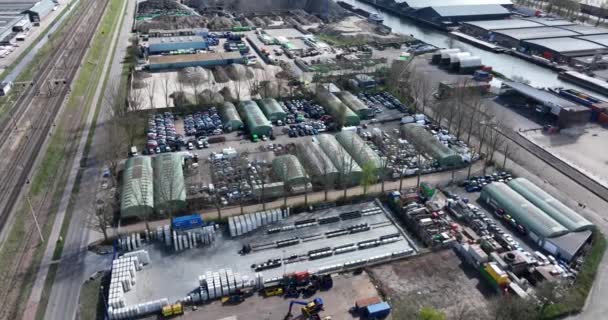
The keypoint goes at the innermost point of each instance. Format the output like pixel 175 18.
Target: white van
pixel 133 152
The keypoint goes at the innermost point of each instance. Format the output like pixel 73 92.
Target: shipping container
pixel 362 303
pixel 187 222
pixel 378 310
pixel 603 119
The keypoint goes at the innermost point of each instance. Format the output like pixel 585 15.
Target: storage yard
pixel 290 162
pixel 254 252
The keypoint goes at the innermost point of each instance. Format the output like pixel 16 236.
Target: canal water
pixel 508 65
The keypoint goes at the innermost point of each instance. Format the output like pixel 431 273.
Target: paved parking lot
pixel 174 275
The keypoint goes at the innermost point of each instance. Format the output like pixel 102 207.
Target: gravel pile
pixel 196 75
pixel 238 72
pixel 220 75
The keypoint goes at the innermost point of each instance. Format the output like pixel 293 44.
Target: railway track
pixel 41 110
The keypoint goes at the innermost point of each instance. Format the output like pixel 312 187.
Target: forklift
pixel 310 310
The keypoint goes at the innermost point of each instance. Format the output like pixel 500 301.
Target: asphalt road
pixel 77 264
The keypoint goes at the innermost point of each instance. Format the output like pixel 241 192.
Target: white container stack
pixel 214 285
pixel 131 242
pixel 138 310
pixel 193 238
pixel 243 224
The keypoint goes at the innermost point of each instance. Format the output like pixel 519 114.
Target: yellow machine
pixel 173 310
pixel 270 292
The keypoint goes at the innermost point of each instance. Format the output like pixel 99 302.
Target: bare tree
pixel 166 91
pixel 101 217
pixel 150 91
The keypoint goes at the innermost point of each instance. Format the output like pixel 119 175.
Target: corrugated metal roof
pixel 254 117
pixel 316 161
pixel 566 45
pixel 335 107
pixel 470 10
pixel 137 196
pixel 358 149
pixel 272 109
pixel 339 156
pixel 536 33
pixel 600 39
pixel 169 185
pixel 438 3
pixel 178 39
pixel 551 206
pixel 546 98
pixel 425 141
pixel 230 115
pixel 206 56
pixel 534 219
pixel 585 30
pixel 42 7
pixel 504 24
pixel 551 22
pixel 289 169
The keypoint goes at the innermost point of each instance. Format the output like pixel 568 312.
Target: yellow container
pixel 167 311
pixel 177 309
pixel 497 274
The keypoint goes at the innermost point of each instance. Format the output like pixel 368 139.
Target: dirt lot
pixel 347 289
pixel 436 280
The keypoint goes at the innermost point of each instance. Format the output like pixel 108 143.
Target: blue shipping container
pixel 187 222
pixel 378 310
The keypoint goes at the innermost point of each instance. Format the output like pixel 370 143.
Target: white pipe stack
pixel 242 224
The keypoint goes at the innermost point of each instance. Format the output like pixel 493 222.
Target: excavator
pixel 310 310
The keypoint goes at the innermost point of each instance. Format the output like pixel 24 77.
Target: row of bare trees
pixel 462 111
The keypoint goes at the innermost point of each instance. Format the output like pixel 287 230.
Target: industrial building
pixel 349 171
pixel 272 109
pixel 543 227
pixel 8 27
pixel 551 206
pixel 168 44
pixel 230 117
pixel 137 196
pixel 355 104
pixel 358 149
pixel 256 121
pixel 562 50
pixel 512 38
pixel 428 144
pixel 207 59
pixel 317 163
pixel 40 10
pixel 563 112
pixel 337 108
pixel 445 14
pixel 169 185
pixel 289 170
pixel 153 33
pixel 451 16
pixel 539 225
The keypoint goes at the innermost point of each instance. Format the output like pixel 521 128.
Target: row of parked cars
pixel 204 123
pixel 161 134
pixel 302 109
pixel 385 99
pixel 474 184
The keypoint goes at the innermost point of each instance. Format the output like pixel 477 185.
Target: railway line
pixel 37 106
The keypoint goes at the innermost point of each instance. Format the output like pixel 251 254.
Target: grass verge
pixel 577 295
pixel 56 155
pixel 90 305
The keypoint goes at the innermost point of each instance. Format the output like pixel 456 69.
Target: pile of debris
pixel 195 75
